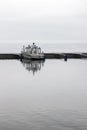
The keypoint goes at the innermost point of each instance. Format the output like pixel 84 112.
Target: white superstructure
pixel 32 52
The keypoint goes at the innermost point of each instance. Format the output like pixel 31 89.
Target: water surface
pixel 48 95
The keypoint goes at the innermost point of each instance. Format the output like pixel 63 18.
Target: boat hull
pixel 32 57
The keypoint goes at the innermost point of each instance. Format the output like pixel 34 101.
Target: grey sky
pixel 43 20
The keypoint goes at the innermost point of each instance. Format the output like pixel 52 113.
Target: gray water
pixel 47 95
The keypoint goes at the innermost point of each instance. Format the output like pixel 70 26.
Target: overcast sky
pixel 43 19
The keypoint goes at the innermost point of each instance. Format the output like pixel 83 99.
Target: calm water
pixel 48 95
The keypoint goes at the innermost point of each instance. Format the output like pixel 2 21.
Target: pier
pixel 47 55
pixel 10 56
pixel 62 55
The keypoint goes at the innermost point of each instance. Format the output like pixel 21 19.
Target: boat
pixel 32 52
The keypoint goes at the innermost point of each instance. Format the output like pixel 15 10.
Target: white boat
pixel 32 52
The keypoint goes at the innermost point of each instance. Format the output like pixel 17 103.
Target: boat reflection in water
pixel 33 65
